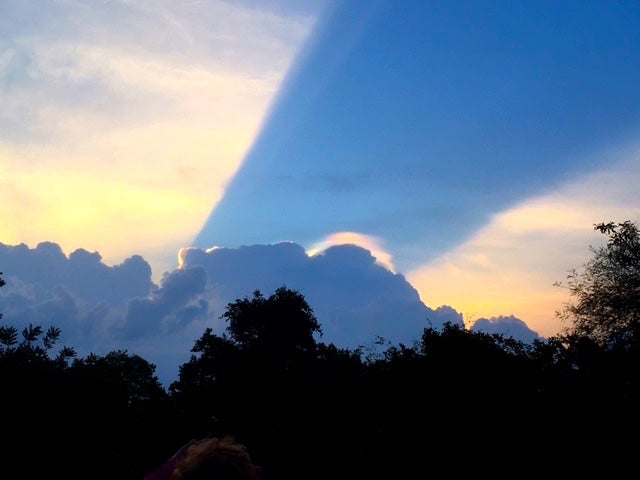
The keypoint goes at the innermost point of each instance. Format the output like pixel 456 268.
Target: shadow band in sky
pixel 415 121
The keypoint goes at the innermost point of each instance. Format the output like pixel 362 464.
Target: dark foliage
pixel 65 417
pixel 606 291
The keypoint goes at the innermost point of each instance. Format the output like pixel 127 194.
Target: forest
pixel 456 402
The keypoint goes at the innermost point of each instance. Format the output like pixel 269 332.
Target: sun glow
pixel 368 242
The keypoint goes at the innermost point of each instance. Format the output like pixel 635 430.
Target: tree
pixel 606 291
pixel 283 323
pixel 35 343
pixel 265 380
pixel 267 341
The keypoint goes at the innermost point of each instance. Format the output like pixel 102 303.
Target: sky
pixel 446 160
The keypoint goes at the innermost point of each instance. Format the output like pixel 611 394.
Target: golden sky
pixel 127 126
pixel 510 265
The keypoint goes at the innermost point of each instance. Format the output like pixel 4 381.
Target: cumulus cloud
pixel 77 293
pixel 368 242
pixel 445 314
pixel 83 273
pixel 100 307
pixel 508 326
pixel 354 297
pixel 169 306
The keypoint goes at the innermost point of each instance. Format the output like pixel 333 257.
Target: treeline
pixel 456 402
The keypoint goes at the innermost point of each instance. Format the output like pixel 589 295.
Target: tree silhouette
pixel 267 381
pixel 95 417
pixel 606 292
pixel 283 323
pixel 596 365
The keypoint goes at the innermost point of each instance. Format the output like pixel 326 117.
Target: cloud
pixel 83 273
pixel 100 308
pixel 368 242
pixel 122 122
pixel 354 297
pixel 508 326
pixel 446 314
pixel 169 305
pixel 77 293
pixel 510 265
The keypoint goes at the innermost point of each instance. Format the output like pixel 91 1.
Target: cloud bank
pixel 101 308
pixel 509 326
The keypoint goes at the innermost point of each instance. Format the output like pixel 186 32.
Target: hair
pixel 216 459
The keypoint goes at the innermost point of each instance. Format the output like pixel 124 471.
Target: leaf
pixel 8 336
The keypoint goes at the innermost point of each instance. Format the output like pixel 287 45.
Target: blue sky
pixel 418 122
pixel 468 146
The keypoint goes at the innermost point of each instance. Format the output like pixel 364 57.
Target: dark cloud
pixel 237 272
pixel 42 308
pixel 100 308
pixel 509 326
pixel 444 314
pixel 82 273
pixel 354 298
pixel 167 307
pixel 79 293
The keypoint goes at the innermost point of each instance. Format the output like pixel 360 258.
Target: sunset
pixel 130 125
pixel 402 165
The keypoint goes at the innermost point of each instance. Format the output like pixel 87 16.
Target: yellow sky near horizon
pixel 122 147
pixel 509 266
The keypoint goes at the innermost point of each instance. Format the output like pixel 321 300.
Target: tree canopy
pixel 284 321
pixel 605 293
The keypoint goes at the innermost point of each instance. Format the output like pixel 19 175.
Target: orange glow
pixel 509 267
